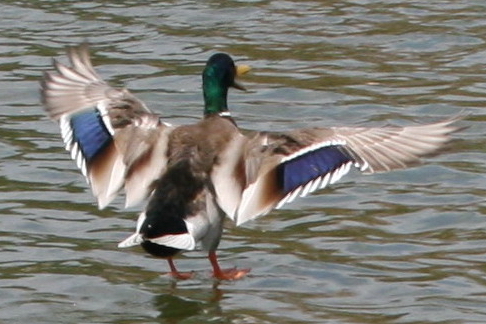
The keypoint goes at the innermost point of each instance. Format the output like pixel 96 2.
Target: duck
pixel 193 177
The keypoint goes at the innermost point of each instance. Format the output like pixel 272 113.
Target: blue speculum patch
pixel 90 132
pixel 311 165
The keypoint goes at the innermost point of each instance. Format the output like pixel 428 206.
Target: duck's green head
pixel 218 75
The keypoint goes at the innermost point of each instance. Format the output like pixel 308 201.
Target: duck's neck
pixel 215 104
pixel 215 96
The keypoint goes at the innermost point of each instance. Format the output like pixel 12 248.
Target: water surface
pixel 403 247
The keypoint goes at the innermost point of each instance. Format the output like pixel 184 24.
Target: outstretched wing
pixel 281 166
pixel 114 138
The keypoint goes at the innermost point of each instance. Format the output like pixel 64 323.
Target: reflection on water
pixel 404 247
pixel 199 305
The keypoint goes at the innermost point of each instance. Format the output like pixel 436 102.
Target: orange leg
pixel 226 274
pixel 176 274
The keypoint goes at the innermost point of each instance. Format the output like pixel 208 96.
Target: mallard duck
pixel 194 175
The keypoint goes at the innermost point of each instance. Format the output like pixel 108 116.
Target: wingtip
pixel 448 122
pixel 102 204
pixel 463 114
pixel 132 240
pixel 240 222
